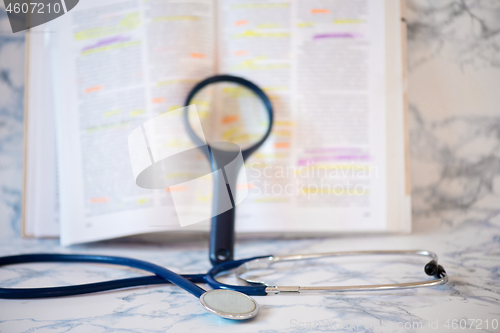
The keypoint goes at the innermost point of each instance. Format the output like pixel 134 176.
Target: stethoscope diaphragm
pixel 229 304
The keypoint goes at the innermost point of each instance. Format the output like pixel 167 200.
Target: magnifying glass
pixel 236 117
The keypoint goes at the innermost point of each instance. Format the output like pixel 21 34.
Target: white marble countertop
pixel 470 253
pixel 454 74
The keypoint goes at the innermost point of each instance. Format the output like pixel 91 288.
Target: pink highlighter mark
pixel 337 35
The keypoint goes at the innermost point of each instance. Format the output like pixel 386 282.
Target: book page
pixel 322 63
pixel 122 63
pixel 40 207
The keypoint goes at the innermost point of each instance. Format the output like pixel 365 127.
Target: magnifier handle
pixel 222 237
pixel 222 229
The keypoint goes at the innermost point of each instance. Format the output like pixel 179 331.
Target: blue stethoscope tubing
pixel 162 276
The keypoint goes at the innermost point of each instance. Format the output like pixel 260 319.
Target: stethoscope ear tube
pixel 431 268
pixel 186 282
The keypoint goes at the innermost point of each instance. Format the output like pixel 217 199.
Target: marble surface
pixel 454 75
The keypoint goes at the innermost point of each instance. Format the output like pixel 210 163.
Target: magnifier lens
pixel 230 112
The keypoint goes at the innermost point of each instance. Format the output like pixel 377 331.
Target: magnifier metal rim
pixel 245 83
pixel 234 316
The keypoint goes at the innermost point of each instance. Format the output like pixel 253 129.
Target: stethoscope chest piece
pixel 229 304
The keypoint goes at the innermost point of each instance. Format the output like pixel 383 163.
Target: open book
pixel 336 160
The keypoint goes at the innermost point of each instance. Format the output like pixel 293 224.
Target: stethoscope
pixel 225 300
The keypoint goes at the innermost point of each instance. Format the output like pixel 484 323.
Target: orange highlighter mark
pixel 281 145
pixel 158 100
pixel 99 200
pixel 197 55
pixel 93 89
pixel 230 119
pixel 241 22
pixel 320 11
pixel 176 188
pixel 240 53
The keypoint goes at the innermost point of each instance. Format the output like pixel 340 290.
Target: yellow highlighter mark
pixel 229 133
pixel 244 138
pixel 305 24
pixel 111 47
pixel 174 107
pixel 137 112
pixel 106 127
pixel 271 155
pixel 112 113
pixel 174 175
pixel 333 191
pixel 268 26
pixel 234 135
pixel 238 91
pixel 129 22
pixel 203 114
pixel 254 65
pixel 200 102
pixel 204 198
pixel 170 82
pixel 272 200
pixel 174 143
pixel 275 88
pixel 176 18
pixel 282 133
pixel 253 33
pixel 348 21
pixel 284 123
pixel 261 5
pixel 335 167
